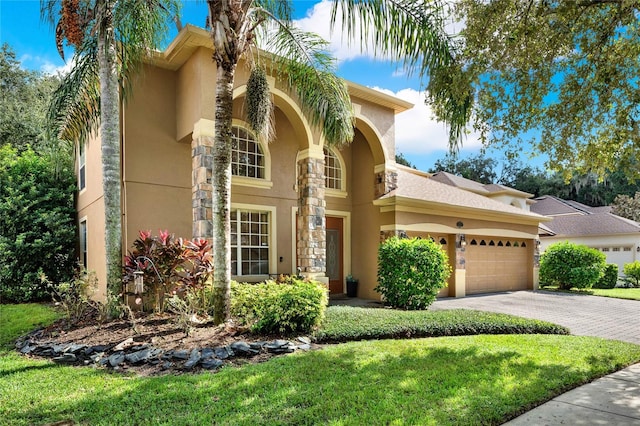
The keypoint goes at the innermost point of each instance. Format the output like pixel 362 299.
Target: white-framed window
pixel 250 242
pixel 82 166
pixel 84 251
pixel 247 156
pixel 334 174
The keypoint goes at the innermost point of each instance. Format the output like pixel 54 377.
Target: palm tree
pixel 110 39
pixel 410 31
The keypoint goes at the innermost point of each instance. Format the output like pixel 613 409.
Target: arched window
pixel 247 156
pixel 333 170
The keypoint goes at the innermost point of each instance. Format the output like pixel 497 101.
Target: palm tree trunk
pixel 110 146
pixel 222 193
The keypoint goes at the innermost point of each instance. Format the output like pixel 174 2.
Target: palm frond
pixel 411 32
pixel 309 72
pixel 75 108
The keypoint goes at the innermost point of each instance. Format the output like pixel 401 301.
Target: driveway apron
pixel 609 318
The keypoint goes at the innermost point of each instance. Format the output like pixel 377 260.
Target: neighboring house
pixel 296 204
pixel 618 238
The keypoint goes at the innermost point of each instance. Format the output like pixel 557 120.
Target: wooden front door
pixel 335 254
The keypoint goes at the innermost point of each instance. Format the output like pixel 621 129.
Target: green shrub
pixel 569 265
pixel 37 225
pixel 610 277
pixel 411 271
pixel 632 273
pixel 271 307
pixel 344 323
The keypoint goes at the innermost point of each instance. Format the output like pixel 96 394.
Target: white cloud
pixel 318 21
pixel 417 131
pixel 45 65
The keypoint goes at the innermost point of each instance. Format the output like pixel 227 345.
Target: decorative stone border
pixel 128 353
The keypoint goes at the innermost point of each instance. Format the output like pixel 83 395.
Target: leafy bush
pixel 632 273
pixel 569 265
pixel 37 225
pixel 74 296
pixel 270 307
pixel 343 323
pixel 610 277
pixel 411 271
pixel 168 264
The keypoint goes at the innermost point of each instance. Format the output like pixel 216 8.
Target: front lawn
pixel 618 293
pixel 484 379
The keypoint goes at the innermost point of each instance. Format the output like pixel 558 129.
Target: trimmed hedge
pixel 411 271
pixel 344 323
pixel 271 307
pixel 610 277
pixel 632 273
pixel 569 265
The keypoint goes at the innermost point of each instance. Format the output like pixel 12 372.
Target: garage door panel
pixel 497 267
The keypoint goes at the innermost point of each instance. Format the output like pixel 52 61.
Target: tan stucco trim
pixel 204 127
pixel 362 92
pixel 389 166
pixel 314 151
pixel 251 182
pixel 374 140
pixel 411 205
pixel 460 289
pixel 444 229
pixel 273 237
pixel 290 105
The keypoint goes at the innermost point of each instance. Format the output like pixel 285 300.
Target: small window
pixel 483 243
pixel 616 249
pixel 500 244
pixel 516 244
pixel 332 170
pixel 492 243
pixel 247 158
pixel 605 249
pixel 249 242
pixel 474 242
pixel 508 244
pixel 82 166
pixel 524 244
pixel 83 243
pixel 443 241
pixel 627 249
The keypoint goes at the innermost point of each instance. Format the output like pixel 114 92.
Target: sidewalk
pixel 611 400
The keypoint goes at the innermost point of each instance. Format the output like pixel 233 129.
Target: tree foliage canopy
pixel 560 75
pixel 627 206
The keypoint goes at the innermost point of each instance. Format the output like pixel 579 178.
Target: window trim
pixel 333 192
pixel 83 257
pixel 264 183
pixel 82 166
pixel 273 241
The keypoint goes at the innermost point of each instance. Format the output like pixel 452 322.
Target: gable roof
pixel 572 219
pixel 477 187
pixel 420 187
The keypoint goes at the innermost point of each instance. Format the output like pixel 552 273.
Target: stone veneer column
pixel 311 233
pixel 202 189
pixel 384 235
pixel 460 272
pixel 536 264
pixel 386 180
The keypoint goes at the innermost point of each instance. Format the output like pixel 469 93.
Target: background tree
pixel 110 39
pixel 556 74
pixel 476 167
pixel 401 159
pixel 24 102
pixel 626 206
pixel 37 224
pixel 417 38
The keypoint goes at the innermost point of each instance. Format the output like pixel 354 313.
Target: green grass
pixel 16 320
pixel 618 293
pixel 484 379
pixel 343 323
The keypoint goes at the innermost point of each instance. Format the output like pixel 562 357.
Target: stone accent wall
pixel 311 233
pixel 202 189
pixel 386 181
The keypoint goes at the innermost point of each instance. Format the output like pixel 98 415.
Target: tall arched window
pixel 334 177
pixel 247 157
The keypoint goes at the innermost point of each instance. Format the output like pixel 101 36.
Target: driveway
pixel 584 315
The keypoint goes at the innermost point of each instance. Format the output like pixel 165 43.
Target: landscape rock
pixel 124 344
pixel 116 359
pixel 211 364
pixel 66 358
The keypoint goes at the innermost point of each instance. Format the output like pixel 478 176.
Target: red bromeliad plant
pixel 169 265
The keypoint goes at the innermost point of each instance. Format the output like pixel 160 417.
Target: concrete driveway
pixel 584 315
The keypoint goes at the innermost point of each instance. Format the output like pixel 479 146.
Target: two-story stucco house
pixel 297 205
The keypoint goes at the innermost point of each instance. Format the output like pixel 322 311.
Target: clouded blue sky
pixel 419 138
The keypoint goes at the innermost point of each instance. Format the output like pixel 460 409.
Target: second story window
pixel 82 163
pixel 247 158
pixel 332 170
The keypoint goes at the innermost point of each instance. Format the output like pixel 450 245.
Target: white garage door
pixel 618 255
